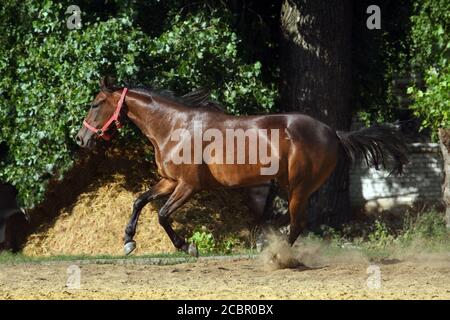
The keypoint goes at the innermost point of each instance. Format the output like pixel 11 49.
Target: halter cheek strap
pixel 101 133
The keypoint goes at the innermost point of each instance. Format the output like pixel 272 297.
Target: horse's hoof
pixel 261 241
pixel 259 247
pixel 193 250
pixel 275 258
pixel 129 247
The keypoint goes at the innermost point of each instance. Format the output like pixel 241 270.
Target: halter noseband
pixel 101 133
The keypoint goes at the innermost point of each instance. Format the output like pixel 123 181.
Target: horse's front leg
pixel 162 188
pixel 181 194
pixel 260 202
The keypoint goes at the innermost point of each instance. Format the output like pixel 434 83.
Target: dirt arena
pixel 232 279
pixel 90 219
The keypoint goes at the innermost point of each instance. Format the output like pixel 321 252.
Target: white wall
pixel 421 181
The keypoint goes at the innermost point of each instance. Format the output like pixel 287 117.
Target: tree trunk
pixel 316 80
pixel 444 142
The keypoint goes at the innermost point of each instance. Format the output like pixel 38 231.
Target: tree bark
pixel 316 80
pixel 444 142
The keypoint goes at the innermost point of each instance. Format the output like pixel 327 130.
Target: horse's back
pixel 309 129
pixel 299 127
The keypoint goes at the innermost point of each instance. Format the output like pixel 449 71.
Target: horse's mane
pixel 194 99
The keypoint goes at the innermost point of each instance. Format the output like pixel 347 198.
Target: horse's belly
pixel 238 175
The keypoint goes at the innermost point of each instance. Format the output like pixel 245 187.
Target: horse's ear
pixel 102 83
pixel 106 83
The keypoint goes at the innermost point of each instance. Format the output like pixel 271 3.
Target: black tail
pixel 378 144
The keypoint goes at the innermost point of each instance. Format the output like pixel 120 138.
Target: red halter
pixel 101 133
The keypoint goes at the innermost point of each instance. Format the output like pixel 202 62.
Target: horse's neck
pixel 155 119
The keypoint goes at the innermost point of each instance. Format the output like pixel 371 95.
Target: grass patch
pixel 380 239
pixel 15 258
pixel 8 257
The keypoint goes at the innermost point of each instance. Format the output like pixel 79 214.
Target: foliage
pixel 413 40
pixel 206 51
pixel 428 226
pixel 227 245
pixel 424 232
pixel 49 73
pixel 204 240
pixel 431 45
pixel 207 243
pixel 55 74
pixel 379 56
pixel 380 236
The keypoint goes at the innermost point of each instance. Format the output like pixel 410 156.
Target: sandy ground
pixel 239 279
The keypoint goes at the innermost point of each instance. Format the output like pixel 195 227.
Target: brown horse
pixel 199 148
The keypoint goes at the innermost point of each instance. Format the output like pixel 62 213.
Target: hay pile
pixel 88 211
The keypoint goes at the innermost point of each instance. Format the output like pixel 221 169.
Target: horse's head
pixel 104 112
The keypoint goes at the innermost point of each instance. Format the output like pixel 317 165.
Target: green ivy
pixel 203 49
pixel 49 74
pixel 431 45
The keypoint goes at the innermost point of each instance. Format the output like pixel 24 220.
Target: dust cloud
pixel 305 254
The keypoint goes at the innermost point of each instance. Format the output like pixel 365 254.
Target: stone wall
pixel 421 182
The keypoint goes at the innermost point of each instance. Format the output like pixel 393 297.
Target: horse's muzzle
pixel 84 142
pixel 79 141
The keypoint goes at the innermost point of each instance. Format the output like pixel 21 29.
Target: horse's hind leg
pixel 162 188
pixel 179 197
pixel 298 200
